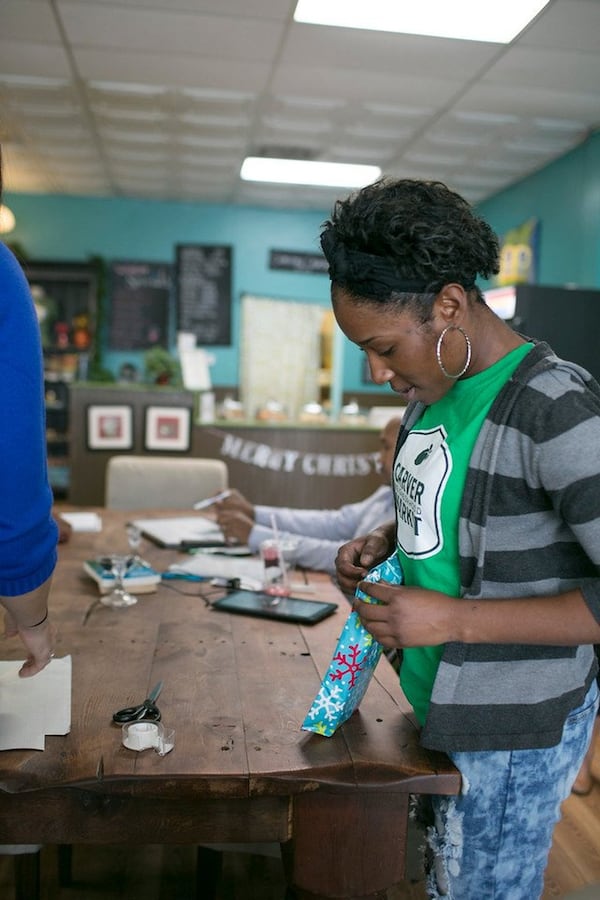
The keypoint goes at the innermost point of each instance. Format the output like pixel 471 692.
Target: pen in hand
pixel 210 501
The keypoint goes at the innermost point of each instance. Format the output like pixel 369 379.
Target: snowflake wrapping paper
pixel 352 665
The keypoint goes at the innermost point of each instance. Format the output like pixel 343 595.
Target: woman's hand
pixel 64 528
pixel 355 558
pixel 235 525
pixel 407 616
pixel 38 641
pixel 26 616
pixel 235 502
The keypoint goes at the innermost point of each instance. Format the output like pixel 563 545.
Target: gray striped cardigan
pixel 529 525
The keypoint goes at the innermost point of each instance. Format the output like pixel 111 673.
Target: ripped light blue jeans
pixel 492 841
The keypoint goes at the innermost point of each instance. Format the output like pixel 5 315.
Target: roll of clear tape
pixel 145 735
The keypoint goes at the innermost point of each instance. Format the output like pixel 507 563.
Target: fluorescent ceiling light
pixel 467 20
pixel 301 171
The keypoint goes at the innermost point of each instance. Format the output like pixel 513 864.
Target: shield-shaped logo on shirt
pixel 421 472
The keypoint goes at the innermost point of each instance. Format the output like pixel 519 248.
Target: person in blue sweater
pixel 318 533
pixel 28 532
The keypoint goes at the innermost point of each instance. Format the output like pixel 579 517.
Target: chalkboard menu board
pixel 203 280
pixel 139 305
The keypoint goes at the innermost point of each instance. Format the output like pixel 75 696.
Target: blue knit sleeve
pixel 28 534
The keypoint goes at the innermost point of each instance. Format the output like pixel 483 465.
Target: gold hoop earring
pixel 438 351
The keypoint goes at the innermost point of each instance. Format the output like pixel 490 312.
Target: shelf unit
pixel 66 297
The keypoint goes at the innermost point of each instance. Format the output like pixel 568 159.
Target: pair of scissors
pixel 146 710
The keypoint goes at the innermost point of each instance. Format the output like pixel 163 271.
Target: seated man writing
pixel 319 532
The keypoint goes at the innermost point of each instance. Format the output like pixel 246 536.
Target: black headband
pixel 370 275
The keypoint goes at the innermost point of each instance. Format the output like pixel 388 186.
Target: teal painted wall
pixel 565 196
pixel 75 228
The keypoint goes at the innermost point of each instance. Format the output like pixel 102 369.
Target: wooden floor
pixel 167 873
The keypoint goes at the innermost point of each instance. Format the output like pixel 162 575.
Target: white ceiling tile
pixel 125 136
pixel 278 143
pixel 395 111
pixel 278 10
pixel 568 25
pixel 213 96
pixel 68 150
pixel 216 142
pixel 458 139
pixel 170 70
pixel 135 154
pixel 477 180
pixel 501 164
pixel 107 113
pixel 167 32
pixel 306 104
pixel 549 69
pixel 564 126
pixel 35 111
pixel 482 118
pixel 378 51
pixel 356 152
pixel 38 60
pixel 534 146
pixel 205 120
pixel 362 85
pixel 365 130
pixel 299 125
pixel 26 20
pixel 529 102
pixel 428 156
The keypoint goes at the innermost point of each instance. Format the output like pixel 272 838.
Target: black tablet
pixel 286 609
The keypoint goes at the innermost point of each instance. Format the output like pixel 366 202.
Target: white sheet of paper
pixel 194 369
pixel 83 521
pixel 31 708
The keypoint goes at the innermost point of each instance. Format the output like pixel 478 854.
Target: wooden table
pixel 236 690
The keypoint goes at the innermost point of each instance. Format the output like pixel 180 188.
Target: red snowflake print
pixel 351 663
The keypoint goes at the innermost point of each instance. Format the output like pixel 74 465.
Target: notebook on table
pixel 182 532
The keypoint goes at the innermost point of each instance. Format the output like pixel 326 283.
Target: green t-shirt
pixel 429 477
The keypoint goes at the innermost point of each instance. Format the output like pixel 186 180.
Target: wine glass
pixel 119 596
pixel 134 539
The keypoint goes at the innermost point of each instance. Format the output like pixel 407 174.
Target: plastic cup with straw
pixel 275 571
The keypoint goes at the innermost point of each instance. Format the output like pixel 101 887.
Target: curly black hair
pixel 399 237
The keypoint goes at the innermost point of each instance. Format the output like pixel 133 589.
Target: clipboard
pixel 283 609
pixel 182 532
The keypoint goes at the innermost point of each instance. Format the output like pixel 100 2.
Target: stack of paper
pixel 31 708
pixel 83 521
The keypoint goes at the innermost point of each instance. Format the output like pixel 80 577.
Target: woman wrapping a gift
pixel 497 490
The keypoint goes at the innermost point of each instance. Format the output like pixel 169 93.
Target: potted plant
pixel 161 367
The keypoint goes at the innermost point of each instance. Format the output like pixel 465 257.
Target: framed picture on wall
pixel 110 427
pixel 167 428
